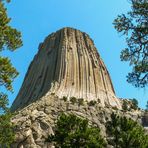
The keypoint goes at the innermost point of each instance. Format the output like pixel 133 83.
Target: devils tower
pixel 67 64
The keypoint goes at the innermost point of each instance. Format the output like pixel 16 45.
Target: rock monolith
pixel 67 64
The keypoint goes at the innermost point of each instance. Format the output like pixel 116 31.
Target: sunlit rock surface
pixel 36 121
pixel 67 64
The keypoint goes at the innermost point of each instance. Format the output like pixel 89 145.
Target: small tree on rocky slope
pixel 134 103
pixel 126 133
pixel 74 132
pixel 147 106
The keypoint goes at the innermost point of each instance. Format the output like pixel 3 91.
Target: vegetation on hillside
pixel 74 132
pixel 126 133
pixel 134 104
pixel 147 106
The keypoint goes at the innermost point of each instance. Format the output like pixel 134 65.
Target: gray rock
pixel 67 65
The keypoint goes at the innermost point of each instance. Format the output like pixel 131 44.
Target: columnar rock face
pixel 67 64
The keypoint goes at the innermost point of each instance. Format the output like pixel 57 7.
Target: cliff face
pixel 67 64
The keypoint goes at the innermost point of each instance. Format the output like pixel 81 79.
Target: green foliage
pixel 6 130
pixel 134 26
pixel 74 132
pixel 92 103
pixel 80 101
pixel 65 98
pixel 73 100
pixel 147 105
pixel 114 108
pixel 3 103
pixel 126 133
pixel 125 105
pixel 10 39
pixel 7 73
pixel 134 104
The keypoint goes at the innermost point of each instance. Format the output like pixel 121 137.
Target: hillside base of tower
pixel 35 122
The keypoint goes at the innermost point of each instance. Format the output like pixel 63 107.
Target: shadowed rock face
pixel 67 64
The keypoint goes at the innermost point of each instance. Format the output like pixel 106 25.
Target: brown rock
pixel 67 64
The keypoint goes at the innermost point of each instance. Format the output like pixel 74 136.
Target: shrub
pixel 134 104
pixel 92 103
pixel 73 100
pixel 147 106
pixel 126 133
pixel 65 98
pixel 114 108
pixel 99 101
pixel 107 105
pixel 81 101
pixel 74 132
pixel 125 105
pixel 52 94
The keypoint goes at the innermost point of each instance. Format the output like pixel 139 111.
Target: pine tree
pixel 147 106
pixel 126 133
pixel 74 132
pixel 125 105
pixel 134 103
pixel 134 26
pixel 10 39
pixel 6 130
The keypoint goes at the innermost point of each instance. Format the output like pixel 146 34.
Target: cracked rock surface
pixel 35 122
pixel 67 64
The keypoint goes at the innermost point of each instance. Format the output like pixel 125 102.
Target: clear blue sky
pixel 38 18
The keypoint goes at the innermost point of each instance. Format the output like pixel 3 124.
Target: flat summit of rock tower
pixel 67 64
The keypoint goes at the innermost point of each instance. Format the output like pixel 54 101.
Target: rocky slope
pixel 35 122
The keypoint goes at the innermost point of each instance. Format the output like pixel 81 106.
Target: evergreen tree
pixel 6 130
pixel 126 133
pixel 125 105
pixel 74 132
pixel 134 26
pixel 10 39
pixel 147 105
pixel 134 103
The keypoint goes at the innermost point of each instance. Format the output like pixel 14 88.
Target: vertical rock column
pixel 67 64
